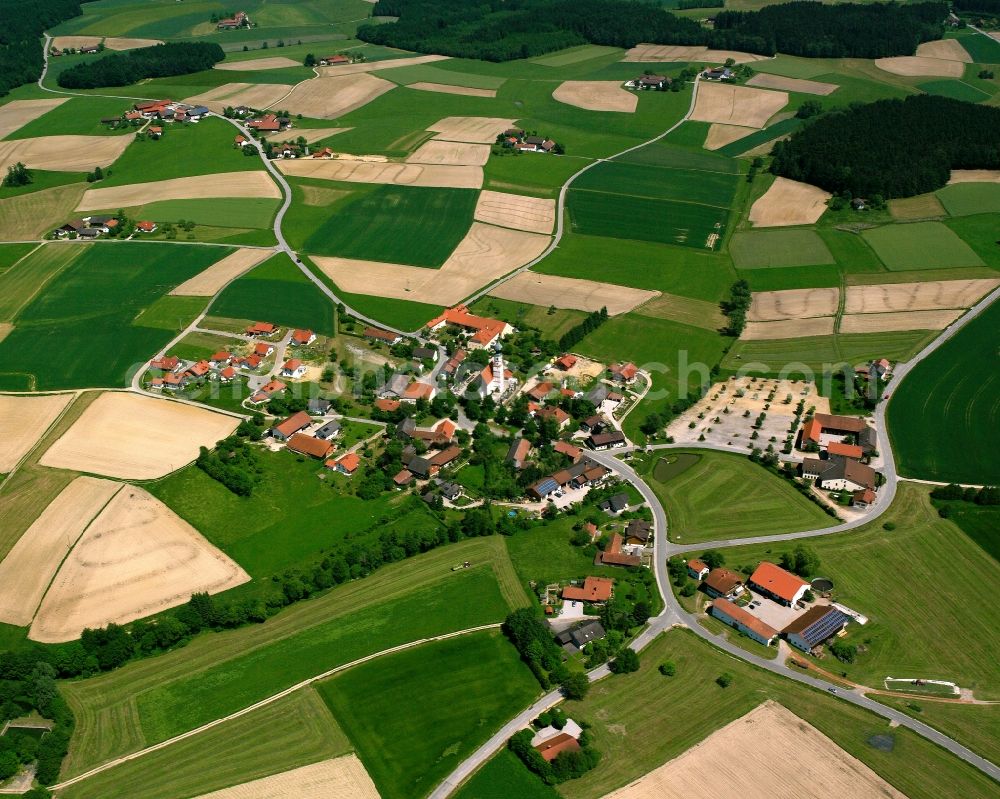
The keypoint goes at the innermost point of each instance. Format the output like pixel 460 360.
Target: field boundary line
pixel 45 281
pixel 270 700
pixel 76 395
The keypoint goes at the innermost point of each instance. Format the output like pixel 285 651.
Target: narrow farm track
pixel 269 700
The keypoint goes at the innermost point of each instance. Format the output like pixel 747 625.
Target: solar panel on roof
pixel 825 627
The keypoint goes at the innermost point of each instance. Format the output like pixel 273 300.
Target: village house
pixel 269 123
pixel 265 392
pixel 449 370
pixel 615 504
pixel 334 60
pixel 89 232
pixel 839 474
pixel 424 354
pixel 540 392
pixel 302 338
pixel 199 370
pixel 576 638
pixel 607 440
pixel 166 363
pixel 227 375
pixel 418 391
pixel 863 498
pixel 594 589
pixel 324 152
pixel 220 359
pixel 329 430
pixel 565 362
pixel 295 423
pixel 697 569
pixel 145 226
pixel 403 478
pixel 319 406
pixel 293 368
pixel 535 144
pixel 718 73
pixel 174 381
pixel 778 584
pixel 377 334
pixel 614 555
pixel 638 532
pixel 742 620
pixel 818 624
pixel 723 583
pixel 302 444
pixel 482 332
pixel 348 464
pixel 262 349
pixel 387 404
pixel 154 131
pixel 567 449
pixel 517 454
pixel 261 329
pixel 623 372
pixel 238 20
pixel 556 414
pixel 649 82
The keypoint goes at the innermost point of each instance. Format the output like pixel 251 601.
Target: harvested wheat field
pixel 664 52
pixel 974 176
pixel 212 280
pixel 737 105
pixel 64 153
pixel 596 95
pixel 110 42
pixel 255 64
pixel 765 81
pixel 929 296
pixel 568 292
pixel 905 320
pixel 516 211
pixel 23 420
pixel 947 49
pixel 254 95
pixel 743 751
pixel 435 175
pixel 788 202
pixel 19 113
pixel 312 135
pixel 226 184
pixel 445 88
pixel 720 135
pixel 771 306
pixel 451 153
pixel 33 561
pixel 378 66
pixel 788 328
pixel 923 206
pixel 328 98
pixel 341 778
pixel 475 130
pixel 136 558
pixel 136 438
pixel 918 66
pixel 29 216
pixel 485 254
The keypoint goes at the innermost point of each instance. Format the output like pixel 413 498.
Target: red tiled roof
pixel 294 423
pixel 167 363
pixel 812 430
pixel 445 456
pixel 146 227
pixel 486 329
pixel 418 391
pixel 567 449
pixel 302 336
pixel 564 742
pixel 403 477
pixel 260 327
pixel 386 404
pixel 595 589
pixel 446 428
pixel 744 617
pixel 558 414
pixel 220 356
pixel 228 373
pixel 291 365
pixel 723 580
pixel 541 391
pixel 566 362
pixel 696 565
pixel 613 555
pixel 349 462
pixel 777 581
pixel 379 334
pixel 307 445
pixel 847 450
pixel 262 349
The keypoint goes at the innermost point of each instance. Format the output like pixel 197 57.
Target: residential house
pixel 240 141
pixel 89 232
pixel 556 414
pixel 594 424
pixel 387 405
pixel 220 359
pixel 251 363
pixel 594 589
pixel 839 474
pixel 265 392
pixel 396 386
pixel 425 354
pixel 723 583
pixel 295 423
pixel 483 332
pixel 540 392
pixel 615 504
pixel 377 334
pixel 198 370
pixel 154 131
pixel 319 406
pixel 614 555
pixel 744 621
pixel 227 375
pixel 174 381
pixel 718 73
pixel 166 363
pixel 238 20
pixel 623 372
pixel 145 226
pixel 518 452
pixel 418 391
pixel 348 464
pixel 567 449
pixel 607 440
pixel 293 368
pixel 302 338
pixel 261 329
pixel 329 430
pixel 577 637
pixel 780 585
pixel 818 624
pixel 565 362
pixel 449 370
pixel 307 445
pixel 697 569
pixel 403 478
pixel 864 498
pixel 638 531
pixel 262 349
pixel 445 457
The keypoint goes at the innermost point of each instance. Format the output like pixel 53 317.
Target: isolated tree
pixel 626 662
pixel 18 175
pixel 575 685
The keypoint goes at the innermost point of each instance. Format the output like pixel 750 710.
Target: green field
pixel 955 89
pixel 668 153
pixel 777 248
pixel 983 49
pixel 944 419
pixel 91 315
pixel 715 188
pixel 294 731
pixel 792 277
pixel 920 245
pixel 637 726
pixel 277 291
pixel 885 574
pixel 763 502
pixel 975 726
pixel 152 699
pixel 520 314
pixel 965 199
pixel 431 73
pixel 410 733
pixel 426 224
pixel 171 313
pixel 80 116
pixel 979 522
pixel 503 777
pixel 228 212
pixel 20 286
pixel 770 133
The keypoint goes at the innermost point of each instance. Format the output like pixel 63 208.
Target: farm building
pixel 307 445
pixel 377 334
pixel 387 405
pixel 607 440
pixel 567 449
pixel 780 585
pixel 614 556
pixel 550 742
pixel 697 569
pixel 824 426
pixel 818 624
pixel 723 583
pixel 543 488
pixel 594 589
pixel 744 621
pixel 482 331
pixel 292 425
pixel 518 452
pixel 839 474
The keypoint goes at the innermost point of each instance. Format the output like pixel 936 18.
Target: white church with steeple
pixel 496 378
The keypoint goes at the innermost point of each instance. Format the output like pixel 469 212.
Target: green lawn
pixel 426 223
pixel 91 316
pixel 920 245
pixel 410 733
pixel 294 731
pixel 521 314
pixel 777 248
pixel 965 199
pixel 887 574
pixel 980 522
pixel 944 419
pixel 227 212
pixel 975 726
pixel 637 725
pixel 79 116
pixel 955 89
pixel 763 503
pixel 277 291
pixel 503 777
pixel 218 673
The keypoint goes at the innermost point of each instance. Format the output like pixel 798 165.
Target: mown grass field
pixel 979 522
pixel 431 73
pixel 920 245
pixel 521 314
pixel 292 732
pixel 277 291
pixel 10 254
pixel 426 224
pixel 637 728
pixel 79 116
pixel 944 419
pixel 700 186
pixel 975 726
pixel 778 248
pixel 19 286
pixel 764 502
pixel 410 733
pixel 886 574
pixel 502 777
pixel 227 212
pixel 233 669
pixel 983 49
pixel 82 329
pixel 955 89
pixel 965 199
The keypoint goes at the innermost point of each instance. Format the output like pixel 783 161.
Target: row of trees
pixel 892 148
pixel 736 307
pixel 24 21
pixel 576 334
pixel 987 495
pixel 159 61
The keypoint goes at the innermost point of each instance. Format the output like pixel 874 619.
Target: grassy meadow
pixel 502 777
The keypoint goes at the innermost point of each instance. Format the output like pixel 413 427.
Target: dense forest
pixel 501 30
pixel 980 6
pixel 159 61
pixel 894 148
pixel 21 37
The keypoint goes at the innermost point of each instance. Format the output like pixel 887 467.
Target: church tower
pixel 498 383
